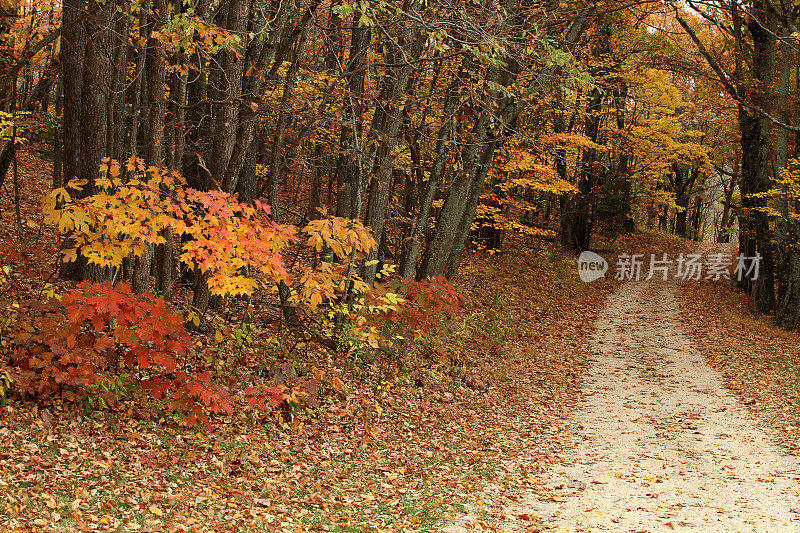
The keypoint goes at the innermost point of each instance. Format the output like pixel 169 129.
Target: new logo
pixel 591 266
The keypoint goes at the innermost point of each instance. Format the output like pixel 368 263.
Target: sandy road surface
pixel 662 445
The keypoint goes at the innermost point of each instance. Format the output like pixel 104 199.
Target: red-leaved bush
pixel 424 303
pixel 74 344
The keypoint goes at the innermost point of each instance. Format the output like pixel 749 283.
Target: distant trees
pixel 434 124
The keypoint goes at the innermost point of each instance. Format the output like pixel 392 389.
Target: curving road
pixel 662 445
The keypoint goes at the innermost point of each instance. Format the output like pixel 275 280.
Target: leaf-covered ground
pixel 397 451
pixel 491 391
pixel 760 363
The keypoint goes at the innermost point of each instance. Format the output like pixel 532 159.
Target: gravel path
pixel 662 445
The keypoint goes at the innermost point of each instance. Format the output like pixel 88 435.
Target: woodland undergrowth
pixel 299 434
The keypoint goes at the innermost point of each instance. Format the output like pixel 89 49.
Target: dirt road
pixel 662 446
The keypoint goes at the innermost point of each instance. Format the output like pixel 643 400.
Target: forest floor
pixel 485 426
pixel 487 407
pixel 665 442
pixel 480 404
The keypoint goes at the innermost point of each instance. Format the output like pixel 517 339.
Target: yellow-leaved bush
pixel 130 210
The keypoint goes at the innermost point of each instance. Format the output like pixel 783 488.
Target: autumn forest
pixel 311 264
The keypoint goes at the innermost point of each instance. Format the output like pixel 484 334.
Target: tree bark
pixel 73 48
pixel 435 176
pixel 577 222
pixel 154 143
pixel 349 168
pixel 756 166
pixel 447 237
pixel 381 183
pixel 87 120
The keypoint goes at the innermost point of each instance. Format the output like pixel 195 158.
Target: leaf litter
pixel 476 416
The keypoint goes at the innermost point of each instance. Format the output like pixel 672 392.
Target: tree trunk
pixel 787 312
pixel 119 66
pixel 451 232
pixel 680 216
pixel 756 168
pixel 409 267
pixel 92 126
pixel 228 91
pixel 73 48
pixel 576 224
pixel 136 87
pixel 154 142
pixel 456 206
pixel 349 168
pixel 726 220
pixel 786 247
pixel 381 185
pixel 58 137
